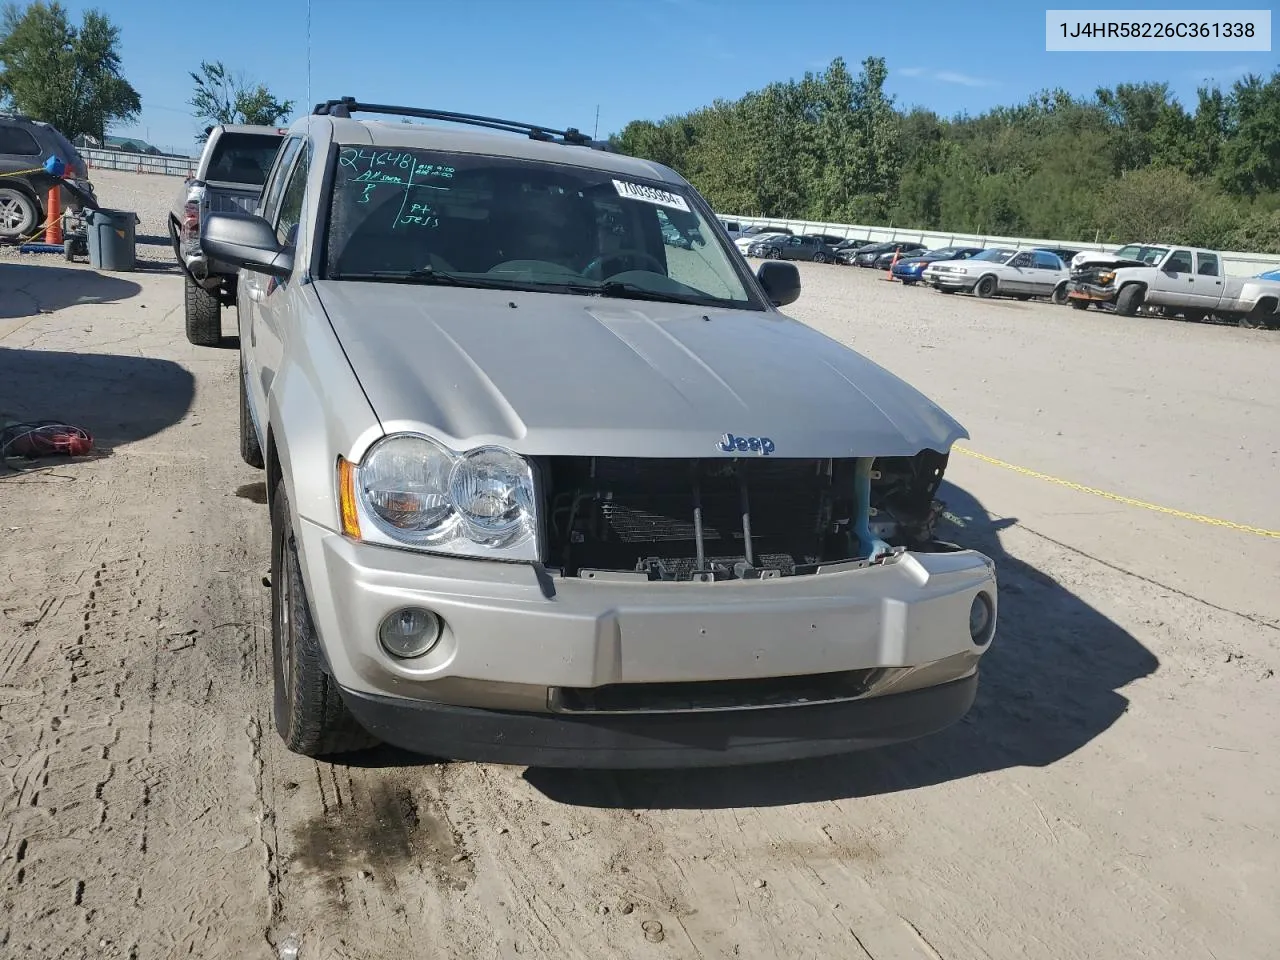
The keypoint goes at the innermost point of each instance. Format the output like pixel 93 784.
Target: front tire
pixel 203 315
pixel 775 254
pixel 310 716
pixel 985 288
pixel 1079 304
pixel 819 258
pixel 1059 295
pixel 1129 301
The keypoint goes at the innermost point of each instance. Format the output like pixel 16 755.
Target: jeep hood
pixel 562 374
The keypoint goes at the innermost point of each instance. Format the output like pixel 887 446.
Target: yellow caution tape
pixel 19 173
pixel 1094 491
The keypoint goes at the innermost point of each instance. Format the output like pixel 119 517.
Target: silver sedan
pixel 1000 271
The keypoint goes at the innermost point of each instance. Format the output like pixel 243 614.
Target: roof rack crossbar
pixel 347 105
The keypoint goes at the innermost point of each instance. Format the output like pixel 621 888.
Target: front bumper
pixel 1090 291
pixel 951 281
pixel 722 738
pixel 515 638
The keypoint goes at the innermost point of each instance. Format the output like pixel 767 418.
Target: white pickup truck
pixel 1170 280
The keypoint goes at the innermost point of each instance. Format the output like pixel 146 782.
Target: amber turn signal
pixel 347 498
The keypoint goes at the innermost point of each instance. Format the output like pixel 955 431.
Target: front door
pixel 1175 281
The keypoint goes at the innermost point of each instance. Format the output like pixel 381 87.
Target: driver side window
pixel 290 214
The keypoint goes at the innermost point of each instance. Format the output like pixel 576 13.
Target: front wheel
pixel 1129 301
pixel 985 288
pixel 310 715
pixel 775 254
pixel 1059 295
pixel 819 258
pixel 1079 304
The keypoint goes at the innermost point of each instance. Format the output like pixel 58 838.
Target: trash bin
pixel 112 244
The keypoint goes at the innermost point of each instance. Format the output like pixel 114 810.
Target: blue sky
pixel 554 61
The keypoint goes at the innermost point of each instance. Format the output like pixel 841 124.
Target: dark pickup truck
pixel 228 179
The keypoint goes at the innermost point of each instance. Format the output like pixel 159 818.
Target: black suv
pixel 25 145
pixel 813 247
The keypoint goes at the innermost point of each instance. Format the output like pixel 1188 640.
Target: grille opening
pixel 758 517
pixel 714 694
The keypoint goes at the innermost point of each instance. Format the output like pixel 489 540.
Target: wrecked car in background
pixel 552 494
pixel 1173 281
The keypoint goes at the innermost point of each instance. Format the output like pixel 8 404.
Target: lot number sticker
pixel 647 194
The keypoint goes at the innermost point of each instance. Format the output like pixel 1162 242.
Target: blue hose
pixel 869 546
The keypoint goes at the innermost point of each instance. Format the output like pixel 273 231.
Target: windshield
pixel 413 215
pixel 1136 251
pixel 993 256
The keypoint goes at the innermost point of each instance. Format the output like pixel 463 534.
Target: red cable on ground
pixel 43 438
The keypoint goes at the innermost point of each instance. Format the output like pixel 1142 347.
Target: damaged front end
pixel 707 520
pixel 1094 282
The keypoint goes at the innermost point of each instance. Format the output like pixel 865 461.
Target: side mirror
pixel 244 240
pixel 781 281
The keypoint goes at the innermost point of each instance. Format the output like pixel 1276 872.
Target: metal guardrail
pixel 1236 263
pixel 139 162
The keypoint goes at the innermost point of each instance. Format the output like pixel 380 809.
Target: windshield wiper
pixel 429 275
pixel 632 291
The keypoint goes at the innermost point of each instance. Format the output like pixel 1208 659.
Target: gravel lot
pixel 1111 794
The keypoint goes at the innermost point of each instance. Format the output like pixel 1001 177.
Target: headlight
pixel 492 490
pixel 411 491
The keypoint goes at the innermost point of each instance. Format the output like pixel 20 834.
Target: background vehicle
pixel 1000 271
pixel 1170 280
pixel 228 177
pixel 809 247
pixel 910 270
pixel 415 356
pixel 24 146
pixel 746 243
pixel 866 255
pixel 883 261
pixel 1065 254
pixel 853 243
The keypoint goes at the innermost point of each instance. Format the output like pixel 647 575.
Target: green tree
pixel 1249 163
pixel 220 97
pixel 65 75
pixel 1128 163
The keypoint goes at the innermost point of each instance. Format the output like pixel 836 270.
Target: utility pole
pixel 595 131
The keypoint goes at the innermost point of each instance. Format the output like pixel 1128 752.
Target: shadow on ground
pixel 28 289
pixel 1049 685
pixel 117 399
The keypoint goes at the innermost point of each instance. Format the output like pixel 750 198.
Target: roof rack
pixel 347 105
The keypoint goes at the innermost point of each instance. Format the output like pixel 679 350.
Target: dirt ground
pixel 1112 793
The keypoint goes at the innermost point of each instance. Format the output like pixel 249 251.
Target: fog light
pixel 410 632
pixel 981 618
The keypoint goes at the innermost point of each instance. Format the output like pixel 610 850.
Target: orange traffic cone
pixel 888 274
pixel 53 222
